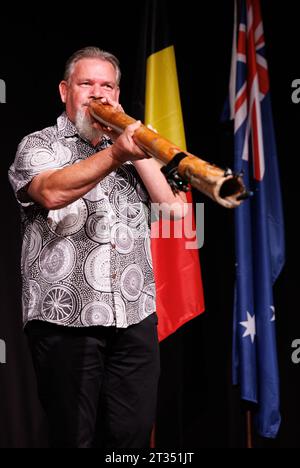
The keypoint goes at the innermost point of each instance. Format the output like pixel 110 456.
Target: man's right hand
pixel 125 149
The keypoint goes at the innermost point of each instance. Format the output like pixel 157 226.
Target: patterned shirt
pixel 90 262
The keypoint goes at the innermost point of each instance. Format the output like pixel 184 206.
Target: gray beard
pixel 85 129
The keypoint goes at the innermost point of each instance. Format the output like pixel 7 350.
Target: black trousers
pixel 97 385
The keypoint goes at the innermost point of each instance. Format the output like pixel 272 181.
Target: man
pixel 88 286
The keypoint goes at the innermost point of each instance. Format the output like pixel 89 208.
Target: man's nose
pixel 97 92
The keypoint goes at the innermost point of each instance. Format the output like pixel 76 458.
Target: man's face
pixel 90 78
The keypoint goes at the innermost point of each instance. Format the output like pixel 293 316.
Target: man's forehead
pixel 93 65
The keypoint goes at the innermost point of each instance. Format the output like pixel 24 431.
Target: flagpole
pixel 153 437
pixel 249 432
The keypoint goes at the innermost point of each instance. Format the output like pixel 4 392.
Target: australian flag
pixel 259 226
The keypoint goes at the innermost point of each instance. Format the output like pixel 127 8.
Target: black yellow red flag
pixel 176 266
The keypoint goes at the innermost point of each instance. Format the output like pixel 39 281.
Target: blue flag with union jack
pixel 259 226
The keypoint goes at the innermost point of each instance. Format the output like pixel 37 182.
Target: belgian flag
pixel 176 268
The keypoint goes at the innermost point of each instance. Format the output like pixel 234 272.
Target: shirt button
pixel 113 276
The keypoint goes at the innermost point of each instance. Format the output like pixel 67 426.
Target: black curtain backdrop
pixel 198 407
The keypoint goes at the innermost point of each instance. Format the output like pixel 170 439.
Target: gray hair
pixel 92 52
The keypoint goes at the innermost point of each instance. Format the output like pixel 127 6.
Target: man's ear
pixel 63 90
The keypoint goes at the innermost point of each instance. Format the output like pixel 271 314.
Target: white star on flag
pixel 249 324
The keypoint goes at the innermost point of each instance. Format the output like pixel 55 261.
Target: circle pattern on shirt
pixel 132 282
pixel 98 227
pixel 60 304
pixel 147 304
pixel 31 297
pixel 97 269
pixel 124 199
pixel 97 313
pixel 129 212
pixel 68 220
pixel 35 160
pixel 57 260
pixel 123 238
pixel 124 181
pixel 35 244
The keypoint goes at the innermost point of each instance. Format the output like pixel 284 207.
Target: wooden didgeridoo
pixel 222 186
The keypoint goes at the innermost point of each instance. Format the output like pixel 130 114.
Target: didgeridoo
pixel 221 185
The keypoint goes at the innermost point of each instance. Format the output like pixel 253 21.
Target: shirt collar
pixel 65 128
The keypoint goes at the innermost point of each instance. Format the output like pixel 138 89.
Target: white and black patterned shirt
pixel 90 262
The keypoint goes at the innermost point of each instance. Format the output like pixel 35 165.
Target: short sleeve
pixel 35 154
